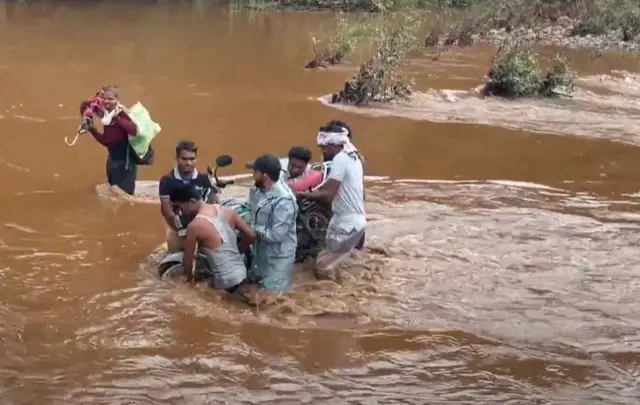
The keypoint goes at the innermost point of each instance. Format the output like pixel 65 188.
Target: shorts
pixel 339 244
pixel 175 243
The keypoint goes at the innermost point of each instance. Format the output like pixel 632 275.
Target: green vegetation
pixel 601 17
pixel 515 72
pixel 347 36
pixel 400 28
pixel 381 77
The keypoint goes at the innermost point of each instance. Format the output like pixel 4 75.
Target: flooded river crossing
pixel 507 274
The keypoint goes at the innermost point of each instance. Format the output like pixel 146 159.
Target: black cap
pixel 183 193
pixel 267 164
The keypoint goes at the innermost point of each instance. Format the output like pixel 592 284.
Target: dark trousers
pixel 360 244
pixel 123 175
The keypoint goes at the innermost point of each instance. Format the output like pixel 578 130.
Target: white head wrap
pixel 349 147
pixel 333 138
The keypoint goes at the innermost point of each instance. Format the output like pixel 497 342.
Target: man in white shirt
pixel 344 189
pixel 350 147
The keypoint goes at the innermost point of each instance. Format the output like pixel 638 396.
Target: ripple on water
pixel 518 260
pixel 520 264
pixel 609 111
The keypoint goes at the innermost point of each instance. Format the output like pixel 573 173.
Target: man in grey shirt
pixel 273 212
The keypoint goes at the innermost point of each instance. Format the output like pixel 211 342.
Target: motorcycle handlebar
pixel 224 183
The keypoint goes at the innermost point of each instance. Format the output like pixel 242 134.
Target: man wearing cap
pixel 344 189
pixel 273 212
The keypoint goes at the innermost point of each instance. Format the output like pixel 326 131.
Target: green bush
pixel 346 37
pixel 381 78
pixel 515 73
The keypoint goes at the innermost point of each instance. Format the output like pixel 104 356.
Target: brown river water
pixel 508 276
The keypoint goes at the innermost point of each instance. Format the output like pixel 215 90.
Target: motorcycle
pixel 311 225
pixel 171 265
pixel 313 217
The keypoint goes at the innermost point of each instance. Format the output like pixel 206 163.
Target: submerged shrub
pixel 515 72
pixel 346 37
pixel 381 78
pixel 558 77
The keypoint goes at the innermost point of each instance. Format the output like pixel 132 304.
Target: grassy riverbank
pixel 399 29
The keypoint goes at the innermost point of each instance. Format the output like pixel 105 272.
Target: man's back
pixel 217 240
pixel 347 168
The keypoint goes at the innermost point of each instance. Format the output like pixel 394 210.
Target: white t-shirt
pixel 348 205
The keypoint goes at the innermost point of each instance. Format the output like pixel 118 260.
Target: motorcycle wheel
pixel 171 272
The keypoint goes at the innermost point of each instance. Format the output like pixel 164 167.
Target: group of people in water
pixel 272 236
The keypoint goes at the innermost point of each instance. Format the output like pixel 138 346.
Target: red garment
pixel 306 182
pixel 92 104
pixel 120 128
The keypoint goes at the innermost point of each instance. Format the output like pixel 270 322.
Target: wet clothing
pixel 200 181
pixel 173 179
pixel 273 214
pixel 340 242
pixel 122 174
pixel 360 244
pixel 346 228
pixel 121 161
pixel 226 262
pixel 347 169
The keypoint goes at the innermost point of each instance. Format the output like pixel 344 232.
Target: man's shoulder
pixel 344 161
pixel 167 177
pixel 203 179
pixel 167 182
pixel 346 158
pixel 197 225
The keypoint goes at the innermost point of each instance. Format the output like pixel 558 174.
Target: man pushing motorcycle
pixel 213 233
pixel 273 211
pixel 183 173
pixel 344 189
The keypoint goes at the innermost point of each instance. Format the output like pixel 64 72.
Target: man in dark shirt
pixel 184 172
pixel 121 165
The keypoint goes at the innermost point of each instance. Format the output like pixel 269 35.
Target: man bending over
pixel 212 232
pixel 183 173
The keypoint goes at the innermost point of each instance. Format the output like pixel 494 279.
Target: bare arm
pixel 190 247
pixel 167 213
pixel 330 188
pixel 326 193
pixel 243 227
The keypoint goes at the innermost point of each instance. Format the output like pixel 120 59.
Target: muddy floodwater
pixel 502 252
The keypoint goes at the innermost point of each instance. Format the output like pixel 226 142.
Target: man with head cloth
pixel 349 148
pixel 344 189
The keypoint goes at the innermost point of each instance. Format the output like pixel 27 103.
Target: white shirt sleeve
pixel 339 167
